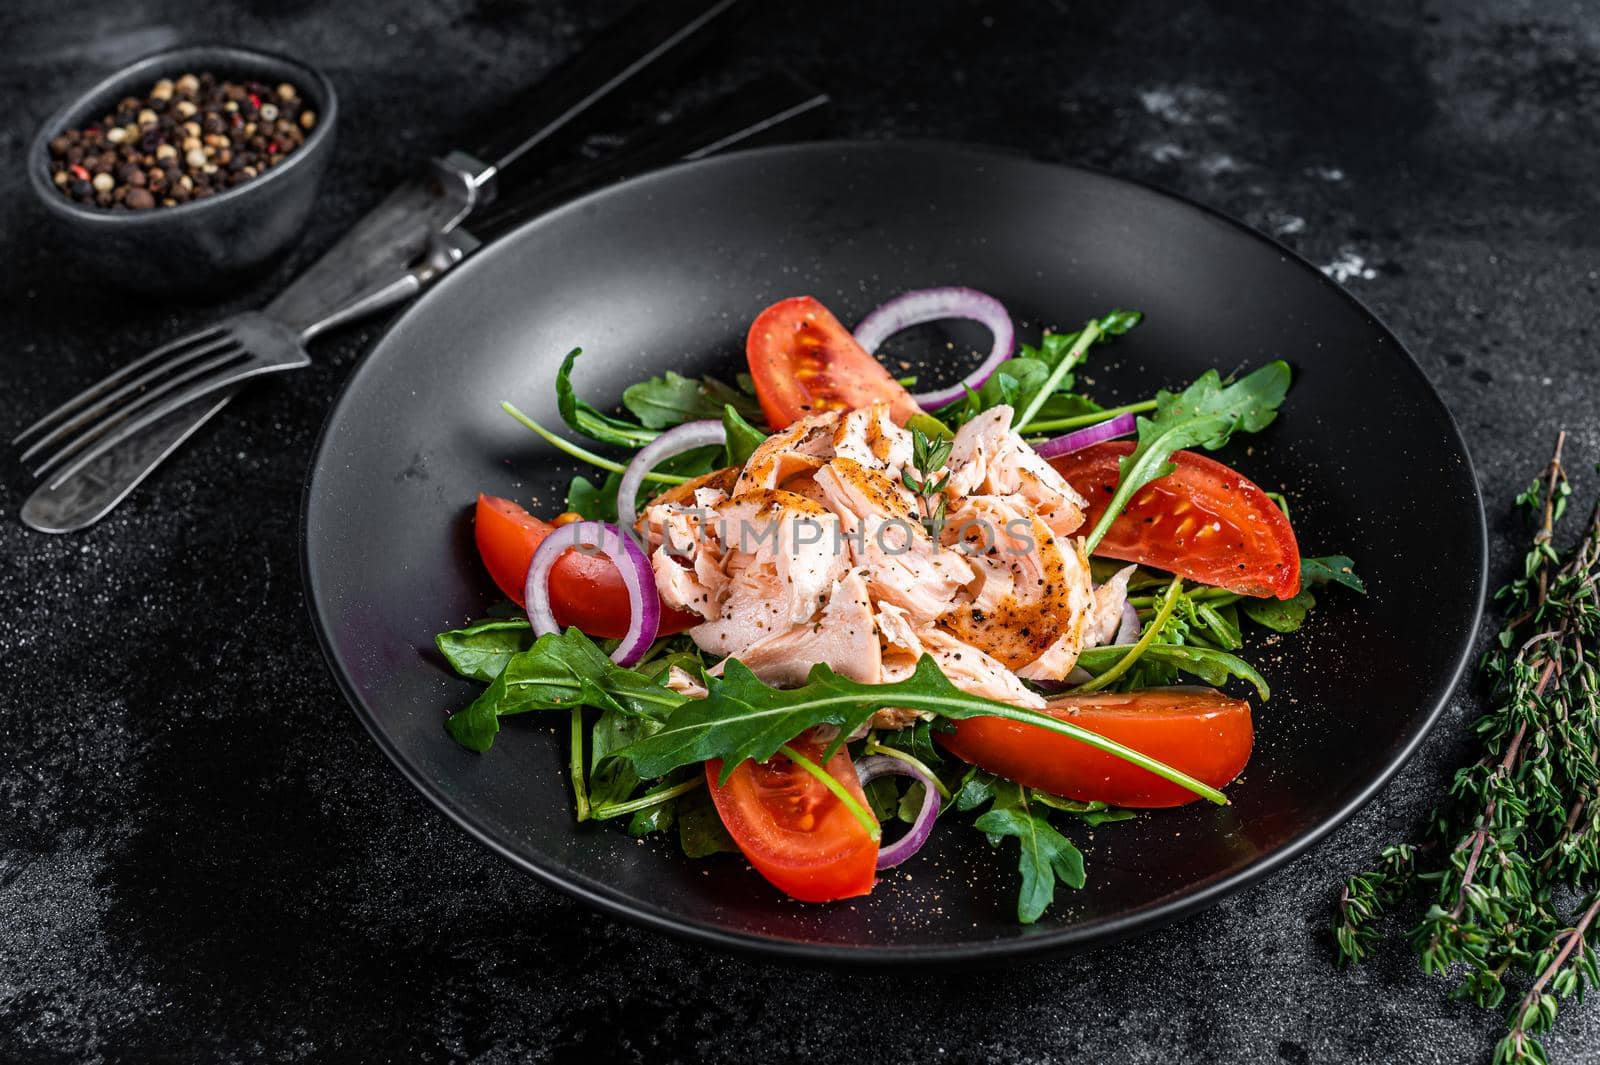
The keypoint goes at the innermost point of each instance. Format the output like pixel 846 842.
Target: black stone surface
pixel 203 857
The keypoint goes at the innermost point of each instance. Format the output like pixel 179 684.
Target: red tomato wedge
pixel 804 362
pixel 793 829
pixel 1204 733
pixel 1204 521
pixel 585 590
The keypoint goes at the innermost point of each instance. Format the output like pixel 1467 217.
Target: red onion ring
pixel 923 305
pixel 1078 439
pixel 643 603
pixel 674 441
pixel 874 766
pixel 1128 631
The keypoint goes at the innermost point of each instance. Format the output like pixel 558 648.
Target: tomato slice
pixel 1204 733
pixel 792 828
pixel 585 590
pixel 1203 521
pixel 804 362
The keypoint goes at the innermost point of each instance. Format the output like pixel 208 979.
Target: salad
pixel 811 616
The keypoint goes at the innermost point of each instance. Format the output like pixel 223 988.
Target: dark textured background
pixel 202 855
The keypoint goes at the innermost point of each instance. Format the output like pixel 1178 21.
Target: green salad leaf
pixel 481 650
pixel 560 671
pixel 701 832
pixel 672 399
pixel 1206 414
pixel 743 438
pixel 1044 854
pixel 1280 615
pixel 743 718
pixel 593 423
pixel 1331 569
pixel 1040 376
pixel 1209 664
pixel 594 502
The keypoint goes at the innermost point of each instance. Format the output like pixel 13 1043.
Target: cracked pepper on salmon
pixel 817 551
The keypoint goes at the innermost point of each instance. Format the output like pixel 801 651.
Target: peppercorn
pixel 190 137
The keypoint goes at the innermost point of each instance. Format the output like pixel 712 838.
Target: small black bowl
pixel 202 245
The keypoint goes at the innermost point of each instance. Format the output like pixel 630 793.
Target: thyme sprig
pixel 1514 855
pixel 929 455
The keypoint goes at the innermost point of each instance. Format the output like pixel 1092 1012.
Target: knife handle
pixel 648 32
pixel 773 107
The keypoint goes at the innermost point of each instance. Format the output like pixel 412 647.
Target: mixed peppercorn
pixel 189 138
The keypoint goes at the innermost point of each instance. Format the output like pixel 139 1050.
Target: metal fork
pixel 159 383
pixel 201 364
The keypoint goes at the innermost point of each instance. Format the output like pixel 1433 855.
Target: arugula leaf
pixel 591 422
pixel 1092 813
pixel 883 798
pixel 917 741
pixel 910 803
pixel 1209 664
pixel 1334 569
pixel 975 789
pixel 1287 615
pixel 1045 854
pixel 672 399
pixel 743 438
pixel 594 502
pixel 613 780
pixel 701 832
pixel 1280 615
pixel 743 718
pixel 482 649
pixel 1204 415
pixel 561 670
pixel 658 818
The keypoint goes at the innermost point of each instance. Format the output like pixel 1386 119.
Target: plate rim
pixel 1071 937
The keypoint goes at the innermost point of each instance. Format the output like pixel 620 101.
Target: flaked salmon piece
pixel 888 542
pixel 682 588
pixel 848 487
pixel 1105 616
pixel 753 608
pixel 988 458
pixel 900 649
pixel 870 437
pixel 795 451
pixel 1050 591
pixel 722 480
pixel 799 536
pixel 1059 658
pixel 842 636
pixel 968 668
pixel 680 681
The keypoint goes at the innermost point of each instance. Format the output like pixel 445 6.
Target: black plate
pixel 667 272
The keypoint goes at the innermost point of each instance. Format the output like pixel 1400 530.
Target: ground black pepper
pixel 189 138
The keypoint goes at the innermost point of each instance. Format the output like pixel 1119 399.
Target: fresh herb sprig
pixel 929 455
pixel 1513 862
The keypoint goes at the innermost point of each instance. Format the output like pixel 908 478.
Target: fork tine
pixel 99 429
pixel 215 383
pixel 76 420
pixel 111 381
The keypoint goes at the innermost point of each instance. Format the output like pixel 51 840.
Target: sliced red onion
pixel 1128 631
pixel 1078 439
pixel 674 441
pixel 935 304
pixel 644 605
pixel 874 766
